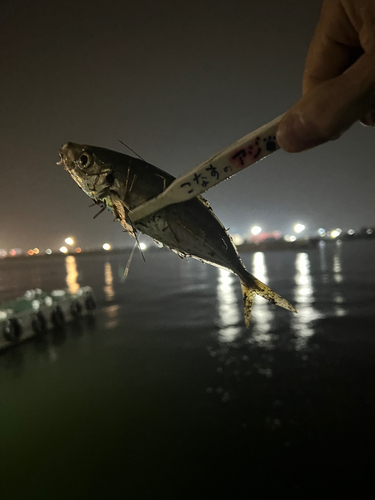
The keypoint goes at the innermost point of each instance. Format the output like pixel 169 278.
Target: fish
pixel 190 228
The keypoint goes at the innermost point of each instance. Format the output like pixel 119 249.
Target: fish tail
pixel 248 294
pixel 258 288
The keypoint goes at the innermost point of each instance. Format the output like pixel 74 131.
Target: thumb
pixel 329 108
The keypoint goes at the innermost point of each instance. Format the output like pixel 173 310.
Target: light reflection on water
pixel 112 315
pixel 229 313
pixel 338 278
pixel 304 301
pixel 327 265
pixel 262 314
pixel 109 292
pixel 71 274
pixel 337 263
pixel 322 258
pixel 108 282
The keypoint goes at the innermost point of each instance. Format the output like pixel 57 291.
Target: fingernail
pixel 295 135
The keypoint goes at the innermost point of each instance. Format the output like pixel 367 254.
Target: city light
pixel 256 230
pixel 335 233
pixel 287 237
pixel 298 228
pixel 237 239
pixel 257 236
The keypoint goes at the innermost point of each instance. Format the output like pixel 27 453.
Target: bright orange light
pixel 78 250
pixel 31 252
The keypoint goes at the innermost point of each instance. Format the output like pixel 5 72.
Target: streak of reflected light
pixel 112 315
pixel 229 314
pixel 322 258
pixel 304 298
pixel 338 278
pixel 52 353
pixel 71 274
pixel 111 310
pixel 337 263
pixel 261 315
pixel 108 280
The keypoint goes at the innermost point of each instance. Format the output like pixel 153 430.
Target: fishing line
pixel 132 150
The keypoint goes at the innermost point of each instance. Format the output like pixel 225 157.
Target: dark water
pixel 167 395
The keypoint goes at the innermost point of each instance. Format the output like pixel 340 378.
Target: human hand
pixel 339 77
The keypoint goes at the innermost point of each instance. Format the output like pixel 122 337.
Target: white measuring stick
pixel 230 160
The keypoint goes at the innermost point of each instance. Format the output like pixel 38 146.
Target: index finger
pixel 334 47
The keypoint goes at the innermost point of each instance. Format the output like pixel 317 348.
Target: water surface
pixel 166 393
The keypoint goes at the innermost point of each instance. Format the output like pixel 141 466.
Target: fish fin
pixel 158 243
pixel 266 292
pixel 248 301
pixel 205 202
pixel 259 288
pixel 126 272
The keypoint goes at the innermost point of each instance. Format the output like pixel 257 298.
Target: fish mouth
pixel 68 153
pixel 61 162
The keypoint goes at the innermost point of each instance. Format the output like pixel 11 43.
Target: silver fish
pixel 191 229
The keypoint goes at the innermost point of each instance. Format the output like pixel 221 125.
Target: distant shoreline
pixel 264 246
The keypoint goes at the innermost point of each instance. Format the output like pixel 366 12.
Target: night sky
pixel 177 81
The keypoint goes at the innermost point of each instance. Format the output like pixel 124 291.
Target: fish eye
pixel 110 179
pixel 84 159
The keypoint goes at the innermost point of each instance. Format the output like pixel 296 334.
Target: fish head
pixel 104 175
pixel 90 173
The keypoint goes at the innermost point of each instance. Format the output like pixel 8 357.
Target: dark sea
pixel 165 393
